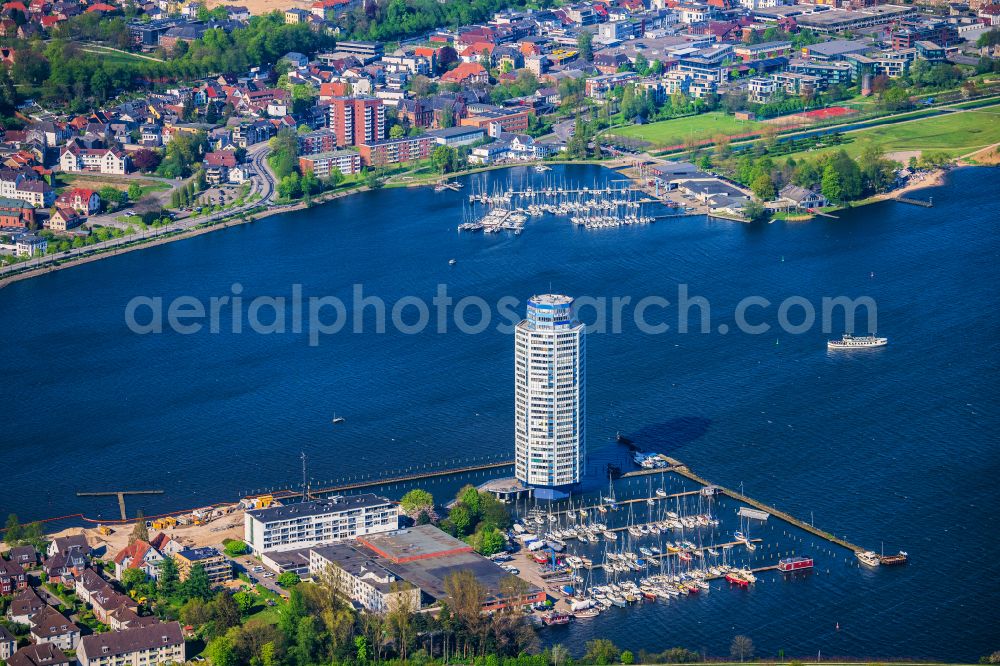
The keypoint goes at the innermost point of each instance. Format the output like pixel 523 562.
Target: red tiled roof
pixel 463 72
pixel 137 551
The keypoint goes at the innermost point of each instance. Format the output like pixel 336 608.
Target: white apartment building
pixel 550 396
pixel 320 522
pixel 360 578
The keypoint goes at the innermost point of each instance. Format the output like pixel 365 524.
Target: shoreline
pixel 934 178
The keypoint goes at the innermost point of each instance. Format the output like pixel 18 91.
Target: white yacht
pixel 851 342
pixel 868 557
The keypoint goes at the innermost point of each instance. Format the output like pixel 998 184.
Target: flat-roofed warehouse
pixel 839 20
pixel 421 556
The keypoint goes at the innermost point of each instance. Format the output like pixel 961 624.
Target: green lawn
pixel 954 134
pixel 112 55
pixel 673 132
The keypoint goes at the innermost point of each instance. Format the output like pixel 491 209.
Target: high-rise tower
pixel 550 396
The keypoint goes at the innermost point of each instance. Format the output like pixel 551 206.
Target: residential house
pixel 801 197
pixel 26 556
pixel 82 200
pixel 8 644
pixel 138 555
pixel 29 245
pixel 42 654
pixel 50 626
pixel 467 73
pixel 63 219
pixel 12 577
pixel 25 185
pixel 101 160
pixel 293 16
pixel 165 545
pixel 217 166
pixel 25 604
pixel 65 544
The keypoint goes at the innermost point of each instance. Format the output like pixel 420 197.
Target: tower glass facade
pixel 550 394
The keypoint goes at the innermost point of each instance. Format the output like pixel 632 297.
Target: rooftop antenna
pixel 305 491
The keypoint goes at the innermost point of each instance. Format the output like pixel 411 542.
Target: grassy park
pixel 674 132
pixel 953 134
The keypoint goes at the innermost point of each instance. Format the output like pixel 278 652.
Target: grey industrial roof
pixel 318 507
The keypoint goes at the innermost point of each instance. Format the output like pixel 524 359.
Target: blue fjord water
pixel 897 446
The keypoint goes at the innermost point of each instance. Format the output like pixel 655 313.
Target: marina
pixel 840 434
pixel 614 203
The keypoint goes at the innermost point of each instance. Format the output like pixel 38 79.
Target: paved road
pixel 262 183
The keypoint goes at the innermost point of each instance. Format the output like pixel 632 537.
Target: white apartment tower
pixel 550 396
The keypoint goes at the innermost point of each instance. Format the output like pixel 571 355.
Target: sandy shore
pixel 933 178
pixel 210 534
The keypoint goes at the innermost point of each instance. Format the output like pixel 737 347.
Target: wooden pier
pixel 623 502
pixel 917 202
pixel 680 468
pixel 402 478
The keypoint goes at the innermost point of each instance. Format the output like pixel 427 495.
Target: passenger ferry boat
pixel 862 342
pixel 795 564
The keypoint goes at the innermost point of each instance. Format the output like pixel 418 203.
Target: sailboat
pixel 337 419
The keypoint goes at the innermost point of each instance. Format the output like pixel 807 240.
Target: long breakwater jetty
pixel 680 468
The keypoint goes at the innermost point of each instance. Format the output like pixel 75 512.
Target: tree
pixel 461 518
pixel 194 612
pixel 490 541
pixel 139 531
pixel 134 191
pixel 493 512
pixel 12 533
pixel 443 158
pixel 236 547
pixel 167 576
pixel 400 620
pixel 132 578
pixel 225 612
pixel 290 187
pixel 601 651
pixel 145 159
pixel 627 657
pixel 832 187
pixel 755 211
pixel 397 132
pixel 288 579
pixel 220 650
pixel 416 500
pixel 741 648
pixel 763 187
pixel 469 496
pixel 585 43
pixel 197 585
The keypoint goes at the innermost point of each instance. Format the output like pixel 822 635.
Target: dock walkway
pixel 680 468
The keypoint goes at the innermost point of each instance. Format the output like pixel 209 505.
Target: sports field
pixel 703 127
pixel 954 134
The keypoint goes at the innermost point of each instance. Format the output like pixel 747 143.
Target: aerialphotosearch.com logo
pixel 320 316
